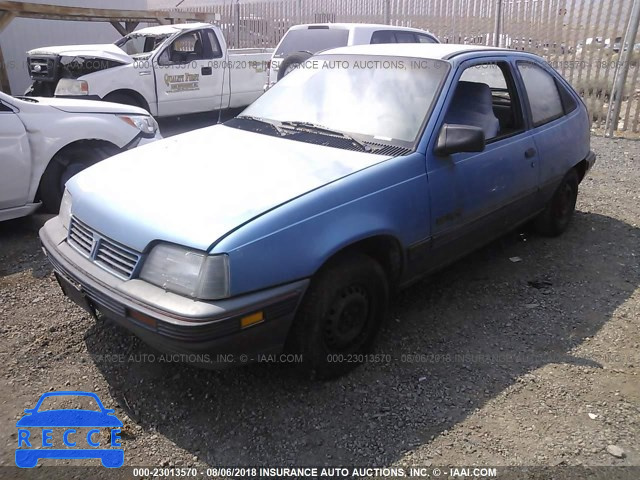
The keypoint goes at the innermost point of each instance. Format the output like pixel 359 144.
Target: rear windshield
pixel 312 40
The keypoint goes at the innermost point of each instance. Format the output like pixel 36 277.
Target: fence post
pixel 498 24
pixel 622 70
pixel 237 12
pixel 387 12
pixel 299 11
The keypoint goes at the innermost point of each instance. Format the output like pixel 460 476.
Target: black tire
pixel 340 315
pixel 557 215
pixel 123 98
pixel 292 61
pixel 66 163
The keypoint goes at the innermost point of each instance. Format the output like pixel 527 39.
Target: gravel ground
pixel 492 362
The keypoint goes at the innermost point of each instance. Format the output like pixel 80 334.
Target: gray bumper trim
pixel 181 325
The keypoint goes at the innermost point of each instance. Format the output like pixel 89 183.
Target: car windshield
pixel 379 98
pixel 312 40
pixel 137 44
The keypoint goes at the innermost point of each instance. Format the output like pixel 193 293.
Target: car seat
pixel 472 105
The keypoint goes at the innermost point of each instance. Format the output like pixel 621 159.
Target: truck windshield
pixel 312 40
pixel 377 98
pixel 136 44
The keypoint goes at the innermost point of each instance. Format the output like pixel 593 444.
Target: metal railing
pixel 583 39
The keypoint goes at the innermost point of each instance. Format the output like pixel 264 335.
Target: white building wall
pixel 24 34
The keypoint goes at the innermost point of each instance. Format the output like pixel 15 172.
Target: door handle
pixel 207 70
pixel 530 153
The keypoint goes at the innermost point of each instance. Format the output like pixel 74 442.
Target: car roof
pixel 431 51
pixel 358 26
pixel 171 29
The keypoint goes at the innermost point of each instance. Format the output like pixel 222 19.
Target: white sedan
pixel 45 141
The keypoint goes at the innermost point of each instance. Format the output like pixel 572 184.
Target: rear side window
pixel 405 37
pixel 542 92
pixel 312 40
pixel 214 46
pixel 425 38
pixel 383 36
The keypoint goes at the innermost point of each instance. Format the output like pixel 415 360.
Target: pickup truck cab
pixel 45 141
pixel 302 41
pixel 167 70
pixel 334 188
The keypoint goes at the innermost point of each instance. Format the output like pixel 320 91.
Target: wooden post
pixel 118 26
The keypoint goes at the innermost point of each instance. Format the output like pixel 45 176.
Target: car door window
pixel 486 97
pixel 184 49
pixel 544 98
pixel 405 37
pixel 425 38
pixel 383 36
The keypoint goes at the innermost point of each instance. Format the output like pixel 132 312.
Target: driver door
pixel 188 77
pixel 15 159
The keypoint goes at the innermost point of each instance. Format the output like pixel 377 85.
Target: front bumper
pixel 208 334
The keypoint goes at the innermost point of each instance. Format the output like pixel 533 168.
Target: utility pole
pixel 498 24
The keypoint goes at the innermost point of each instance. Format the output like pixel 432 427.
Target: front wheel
pixel 340 315
pixel 62 167
pixel 555 218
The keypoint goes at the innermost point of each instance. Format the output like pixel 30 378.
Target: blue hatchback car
pixel 286 228
pixel 69 420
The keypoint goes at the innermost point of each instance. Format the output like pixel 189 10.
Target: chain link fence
pixel 583 39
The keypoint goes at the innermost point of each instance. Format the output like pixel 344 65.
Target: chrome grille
pixel 104 252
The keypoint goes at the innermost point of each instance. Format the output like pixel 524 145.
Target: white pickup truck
pixel 45 141
pixel 167 70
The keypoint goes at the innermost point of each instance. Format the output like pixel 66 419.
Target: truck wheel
pixel 340 315
pixel 557 215
pixel 292 62
pixel 123 98
pixel 62 167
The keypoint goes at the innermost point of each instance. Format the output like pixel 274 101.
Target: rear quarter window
pixel 542 91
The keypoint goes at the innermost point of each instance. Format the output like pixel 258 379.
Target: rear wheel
pixel 556 217
pixel 63 166
pixel 340 315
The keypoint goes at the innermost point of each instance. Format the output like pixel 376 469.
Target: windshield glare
pixel 134 44
pixel 385 98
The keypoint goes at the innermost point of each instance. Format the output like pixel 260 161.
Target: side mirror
pixel 459 138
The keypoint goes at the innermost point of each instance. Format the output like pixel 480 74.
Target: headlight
pixel 65 209
pixel 145 123
pixel 69 86
pixel 187 272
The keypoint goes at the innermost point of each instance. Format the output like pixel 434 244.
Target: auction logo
pixel 42 433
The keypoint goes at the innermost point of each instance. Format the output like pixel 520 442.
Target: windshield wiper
pixel 313 127
pixel 264 122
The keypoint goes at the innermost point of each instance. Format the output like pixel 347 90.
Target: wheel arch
pixel 86 143
pixel 385 249
pixel 137 96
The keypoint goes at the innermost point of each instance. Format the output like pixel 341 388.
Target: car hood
pixel 69 418
pixel 107 51
pixel 80 106
pixel 194 188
